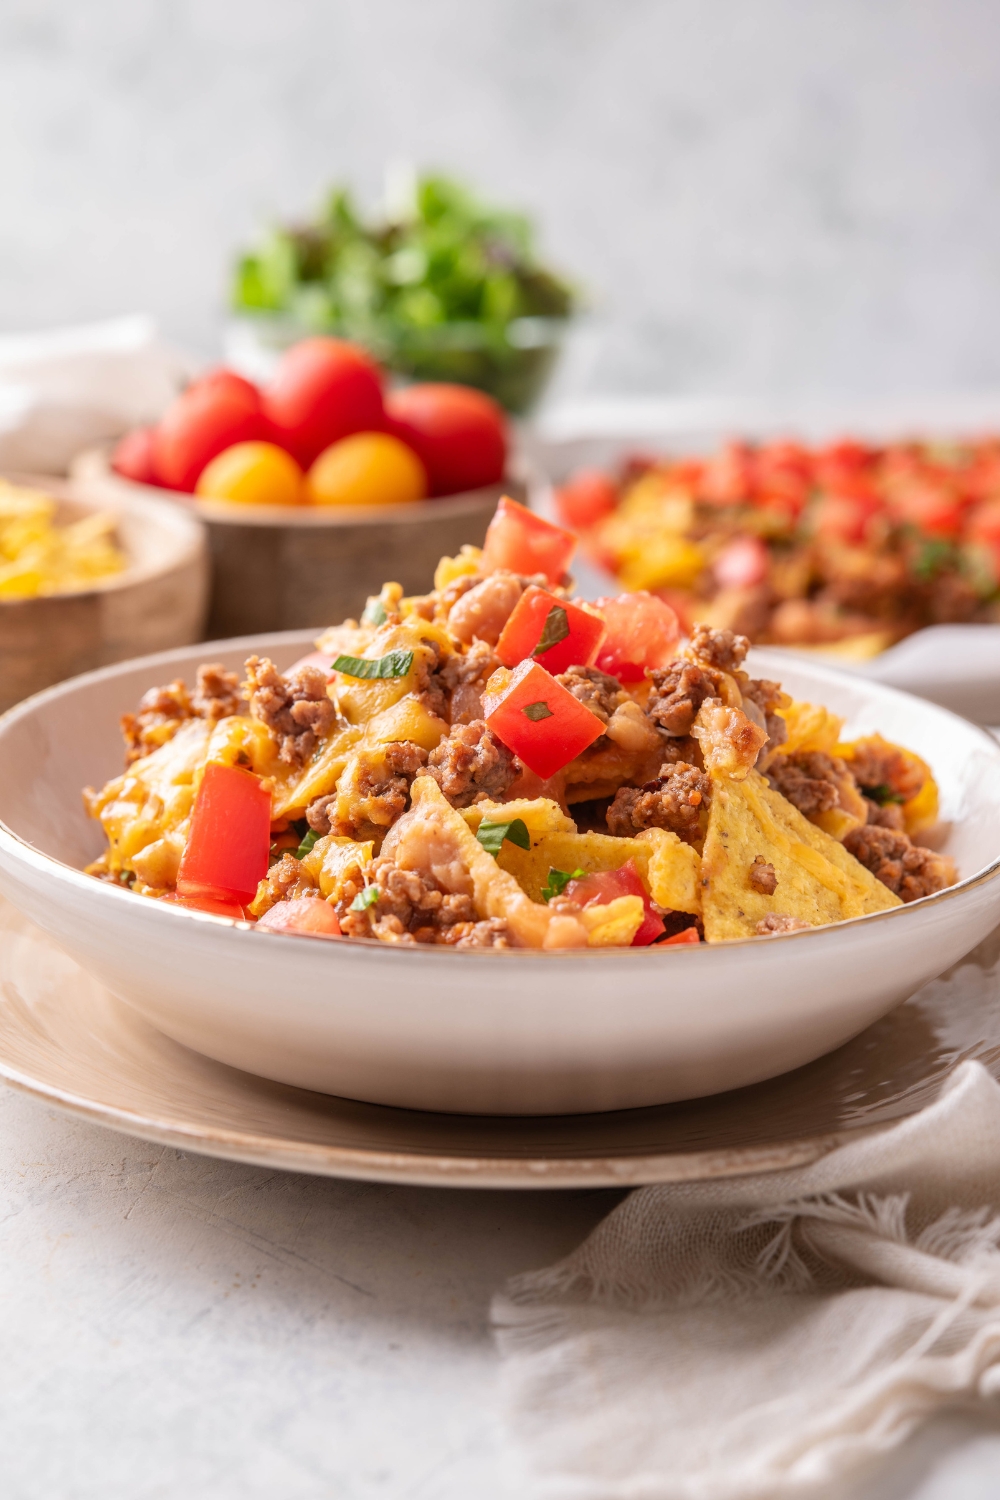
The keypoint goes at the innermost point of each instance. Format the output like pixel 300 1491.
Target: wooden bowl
pixel 277 567
pixel 158 602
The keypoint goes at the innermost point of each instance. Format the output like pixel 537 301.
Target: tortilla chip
pixel 568 851
pixel 539 814
pixel 673 873
pixel 810 727
pixel 818 881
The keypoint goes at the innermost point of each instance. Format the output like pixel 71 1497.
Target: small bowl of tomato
pixel 318 485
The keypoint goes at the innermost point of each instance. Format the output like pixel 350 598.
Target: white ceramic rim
pixel 56 869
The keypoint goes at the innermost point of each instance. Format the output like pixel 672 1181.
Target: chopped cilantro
pixel 365 898
pixel 556 630
pixel 396 664
pixel 536 711
pixel 934 554
pixel 882 794
pixel 374 611
pixel 558 881
pixel 492 835
pixel 310 839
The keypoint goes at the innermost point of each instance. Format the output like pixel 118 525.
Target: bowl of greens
pixel 437 285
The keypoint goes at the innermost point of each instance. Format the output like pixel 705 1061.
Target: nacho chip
pixel 674 871
pixel 817 880
pixel 810 727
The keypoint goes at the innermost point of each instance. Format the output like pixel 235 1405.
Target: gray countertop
pixel 175 1327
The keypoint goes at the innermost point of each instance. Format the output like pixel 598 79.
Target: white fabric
pixel 69 388
pixel 763 1336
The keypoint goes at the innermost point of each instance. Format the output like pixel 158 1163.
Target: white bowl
pixel 482 1032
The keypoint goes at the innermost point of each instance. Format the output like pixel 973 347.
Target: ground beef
pixel 673 801
pixel 808 780
pixel 889 816
pixel 721 649
pixel 482 612
pixel 463 677
pixel 295 708
pixel 908 870
pixel 678 692
pixel 677 748
pixel 762 877
pixel 491 933
pixel 217 693
pixel 380 791
pixel 320 813
pixel 768 698
pixel 471 763
pixel 285 881
pixel 413 907
pixel 876 765
pixel 429 688
pixel 596 690
pixel 776 921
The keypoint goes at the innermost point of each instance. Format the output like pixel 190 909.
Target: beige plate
pixel 64 1039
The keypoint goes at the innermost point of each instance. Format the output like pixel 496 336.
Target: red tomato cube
pixel 643 632
pixel 215 908
pixel 226 854
pixel 538 719
pixel 522 542
pixel 681 939
pixel 604 886
pixel 307 916
pixel 586 498
pixel 554 631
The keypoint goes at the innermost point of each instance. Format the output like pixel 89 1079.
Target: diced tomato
pixel 216 908
pixel 585 498
pixel 576 633
pixel 984 522
pixel 839 518
pixel 227 849
pixel 742 563
pixel 538 719
pixel 934 508
pixel 306 917
pixel 727 478
pixel 604 886
pixel 689 935
pixel 523 543
pixel 643 632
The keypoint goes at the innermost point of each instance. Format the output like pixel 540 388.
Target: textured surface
pixel 766 195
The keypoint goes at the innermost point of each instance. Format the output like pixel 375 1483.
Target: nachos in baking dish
pixel 496 764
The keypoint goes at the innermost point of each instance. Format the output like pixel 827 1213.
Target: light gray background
pixel 760 194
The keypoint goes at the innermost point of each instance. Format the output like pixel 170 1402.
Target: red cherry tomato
pixel 307 916
pixel 226 854
pixel 522 542
pixel 586 498
pixel 322 390
pixel 209 417
pixel 538 719
pixel 460 434
pixel 133 456
pixel 604 886
pixel 231 381
pixel 575 634
pixel 742 563
pixel 643 632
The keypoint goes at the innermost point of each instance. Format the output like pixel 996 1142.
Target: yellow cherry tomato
pixel 370 468
pixel 252 474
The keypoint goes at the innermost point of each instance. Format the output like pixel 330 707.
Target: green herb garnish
pixel 374 611
pixel 934 555
pixel 558 881
pixel 396 664
pixel 556 629
pixel 365 898
pixel 536 711
pixel 492 835
pixel 307 843
pixel 882 794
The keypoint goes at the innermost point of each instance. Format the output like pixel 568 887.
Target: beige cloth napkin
pixel 764 1336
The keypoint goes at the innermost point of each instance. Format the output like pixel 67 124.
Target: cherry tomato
pixel 643 632
pixel 306 916
pixel 210 416
pixel 521 542
pixel 573 634
pixel 322 390
pixel 742 563
pixel 538 718
pixel 252 474
pixel 133 456
pixel 226 854
pixel 460 434
pixel 604 886
pixel 586 498
pixel 370 468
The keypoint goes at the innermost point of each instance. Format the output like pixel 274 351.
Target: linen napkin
pixel 66 389
pixel 763 1336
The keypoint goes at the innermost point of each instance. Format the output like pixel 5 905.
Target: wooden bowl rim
pixel 94 465
pixel 186 533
